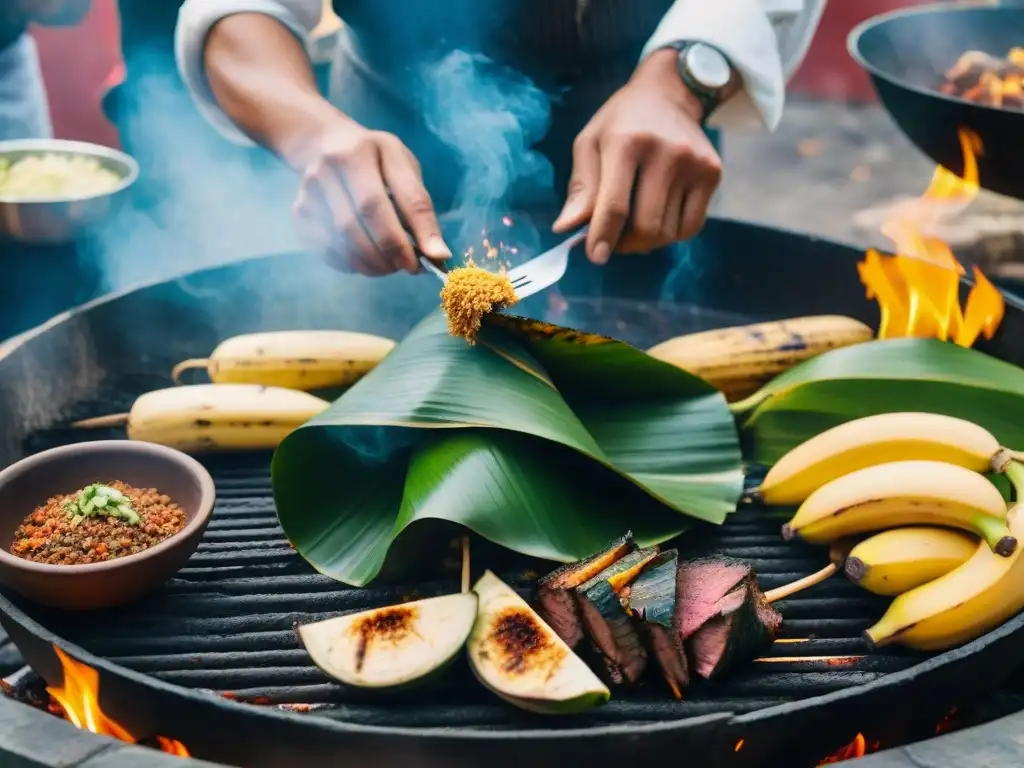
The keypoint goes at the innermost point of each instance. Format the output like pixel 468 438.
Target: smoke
pixel 203 202
pixel 200 201
pixel 491 117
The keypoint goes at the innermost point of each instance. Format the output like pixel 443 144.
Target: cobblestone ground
pixel 833 169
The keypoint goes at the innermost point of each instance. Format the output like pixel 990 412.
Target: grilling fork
pixel 535 275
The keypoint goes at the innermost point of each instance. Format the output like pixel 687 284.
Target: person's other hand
pixel 643 169
pixel 357 189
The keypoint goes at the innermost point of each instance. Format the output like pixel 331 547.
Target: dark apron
pixel 577 61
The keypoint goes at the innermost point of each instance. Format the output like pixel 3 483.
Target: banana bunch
pixel 942 542
pixel 215 417
pixel 903 493
pixel 738 361
pixel 302 360
pixel 895 561
pixel 960 606
pixel 880 439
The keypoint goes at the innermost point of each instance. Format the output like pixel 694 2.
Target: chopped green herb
pixel 98 499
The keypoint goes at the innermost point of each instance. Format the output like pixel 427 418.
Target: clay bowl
pixel 31 481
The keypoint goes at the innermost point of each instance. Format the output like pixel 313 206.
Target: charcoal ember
pixel 987 80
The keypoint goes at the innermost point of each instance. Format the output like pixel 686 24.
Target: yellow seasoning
pixel 471 293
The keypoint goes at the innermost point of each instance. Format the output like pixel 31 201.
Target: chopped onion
pixel 55 176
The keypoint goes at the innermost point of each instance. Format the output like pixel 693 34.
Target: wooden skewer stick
pixel 113 420
pixel 786 590
pixel 839 661
pixel 465 563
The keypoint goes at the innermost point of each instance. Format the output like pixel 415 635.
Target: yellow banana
pixel 896 561
pixel 220 416
pixel 964 604
pixel 739 360
pixel 904 493
pixel 293 359
pixel 878 440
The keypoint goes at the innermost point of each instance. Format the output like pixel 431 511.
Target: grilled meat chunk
pixel 744 626
pixel 608 622
pixel 651 599
pixel 700 585
pixel 553 599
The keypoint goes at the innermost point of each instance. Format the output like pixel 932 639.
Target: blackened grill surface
pixel 225 624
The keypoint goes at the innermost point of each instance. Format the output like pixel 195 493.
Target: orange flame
pixel 79 697
pixel 918 289
pixel 856 748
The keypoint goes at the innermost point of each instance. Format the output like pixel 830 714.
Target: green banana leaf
pixel 882 377
pixel 546 441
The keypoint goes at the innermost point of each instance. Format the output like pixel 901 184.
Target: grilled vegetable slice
pixel 521 659
pixel 554 598
pixel 744 626
pixel 393 646
pixel 652 600
pixel 608 623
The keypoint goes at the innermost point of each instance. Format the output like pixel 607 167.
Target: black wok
pixel 907 53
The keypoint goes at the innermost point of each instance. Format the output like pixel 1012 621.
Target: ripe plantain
pixel 292 359
pixel 896 561
pixel 212 417
pixel 739 360
pixel 876 440
pixel 904 493
pixel 964 604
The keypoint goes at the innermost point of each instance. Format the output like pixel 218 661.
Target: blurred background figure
pixel 24 113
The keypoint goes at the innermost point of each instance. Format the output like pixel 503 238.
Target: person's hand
pixel 643 169
pixel 357 189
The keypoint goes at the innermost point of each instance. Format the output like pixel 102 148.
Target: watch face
pixel 707 66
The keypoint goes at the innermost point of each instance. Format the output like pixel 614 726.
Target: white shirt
pixel 24 112
pixel 765 40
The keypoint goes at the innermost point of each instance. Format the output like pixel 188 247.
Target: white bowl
pixel 55 220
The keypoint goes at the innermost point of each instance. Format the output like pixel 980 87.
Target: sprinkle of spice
pixel 101 522
pixel 471 293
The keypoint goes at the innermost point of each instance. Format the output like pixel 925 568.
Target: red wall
pixel 829 72
pixel 77 63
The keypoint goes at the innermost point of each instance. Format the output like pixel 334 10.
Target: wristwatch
pixel 705 71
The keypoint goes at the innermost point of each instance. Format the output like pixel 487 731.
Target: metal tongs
pixel 535 275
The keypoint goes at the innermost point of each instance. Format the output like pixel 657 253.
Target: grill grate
pixel 225 624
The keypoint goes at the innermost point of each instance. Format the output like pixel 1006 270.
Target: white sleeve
pixel 765 41
pixel 195 20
